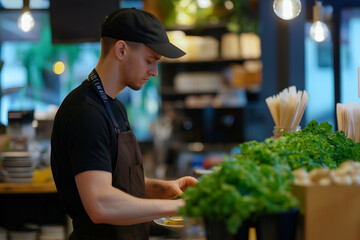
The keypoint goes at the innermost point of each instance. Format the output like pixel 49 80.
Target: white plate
pixel 20 175
pixel 176 228
pixel 17 160
pixel 19 169
pixel 18 180
pixel 16 154
pixel 17 164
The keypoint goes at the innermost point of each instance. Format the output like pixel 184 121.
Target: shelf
pixel 27 188
pixel 166 90
pixel 215 61
pixel 222 108
pixel 221 25
pixel 202 29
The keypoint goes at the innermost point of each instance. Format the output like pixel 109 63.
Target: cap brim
pixel 168 50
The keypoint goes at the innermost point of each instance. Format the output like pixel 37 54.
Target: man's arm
pixel 106 204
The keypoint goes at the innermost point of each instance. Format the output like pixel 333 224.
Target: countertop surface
pixel 19 188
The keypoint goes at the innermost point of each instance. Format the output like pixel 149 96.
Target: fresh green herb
pixel 317 145
pixel 256 181
pixel 239 190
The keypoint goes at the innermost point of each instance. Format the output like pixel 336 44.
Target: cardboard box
pixel 330 212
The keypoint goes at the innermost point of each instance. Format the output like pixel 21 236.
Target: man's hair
pixel 107 43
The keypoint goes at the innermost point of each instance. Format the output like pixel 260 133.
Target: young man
pixel 95 159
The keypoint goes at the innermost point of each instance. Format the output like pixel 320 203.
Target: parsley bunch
pixel 256 181
pixel 317 145
pixel 239 190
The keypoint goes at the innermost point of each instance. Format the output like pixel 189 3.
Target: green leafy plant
pixel 317 145
pixel 240 190
pixel 255 182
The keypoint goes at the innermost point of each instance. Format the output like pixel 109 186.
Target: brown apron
pixel 128 176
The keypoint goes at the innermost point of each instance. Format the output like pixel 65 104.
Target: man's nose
pixel 154 70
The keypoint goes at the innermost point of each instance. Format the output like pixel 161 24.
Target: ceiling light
pixel 318 30
pixel 26 21
pixel 287 9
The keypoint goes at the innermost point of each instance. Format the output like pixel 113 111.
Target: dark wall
pixel 282 46
pixel 80 20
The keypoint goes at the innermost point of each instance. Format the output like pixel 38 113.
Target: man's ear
pixel 119 48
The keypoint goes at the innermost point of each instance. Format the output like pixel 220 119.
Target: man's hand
pixel 167 189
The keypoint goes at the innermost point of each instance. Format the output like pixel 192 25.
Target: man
pixel 95 159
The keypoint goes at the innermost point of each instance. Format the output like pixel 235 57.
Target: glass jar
pixel 194 229
pixel 279 131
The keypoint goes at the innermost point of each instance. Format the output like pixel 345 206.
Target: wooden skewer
pixel 348 116
pixel 298 106
pixel 356 122
pixel 304 101
pixel 339 115
pixel 270 103
pixel 277 109
pixel 287 107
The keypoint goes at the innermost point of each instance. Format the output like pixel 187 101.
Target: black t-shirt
pixel 83 138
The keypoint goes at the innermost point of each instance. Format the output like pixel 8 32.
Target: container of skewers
pixel 348 119
pixel 287 109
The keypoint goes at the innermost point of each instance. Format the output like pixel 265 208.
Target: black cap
pixel 131 24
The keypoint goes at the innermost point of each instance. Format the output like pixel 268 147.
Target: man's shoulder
pixel 81 103
pixel 81 97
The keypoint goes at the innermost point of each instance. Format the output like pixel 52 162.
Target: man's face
pixel 140 64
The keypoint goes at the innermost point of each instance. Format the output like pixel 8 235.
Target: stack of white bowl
pixel 18 167
pixel 52 232
pixel 3 234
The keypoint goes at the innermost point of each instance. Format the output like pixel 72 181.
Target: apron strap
pixel 95 79
pixel 124 117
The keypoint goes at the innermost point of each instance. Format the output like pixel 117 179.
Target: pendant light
pixel 26 21
pixel 318 30
pixel 287 9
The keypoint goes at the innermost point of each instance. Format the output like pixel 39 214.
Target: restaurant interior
pixel 242 57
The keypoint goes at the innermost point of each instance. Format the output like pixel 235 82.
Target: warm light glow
pixel 287 9
pixel 196 146
pixel 204 3
pixel 35 123
pixel 229 5
pixel 184 3
pixel 319 31
pixel 26 21
pixel 59 67
pixel 185 12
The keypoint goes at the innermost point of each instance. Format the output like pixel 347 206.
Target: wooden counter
pixel 37 203
pixel 31 188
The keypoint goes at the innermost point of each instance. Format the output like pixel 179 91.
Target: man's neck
pixel 109 79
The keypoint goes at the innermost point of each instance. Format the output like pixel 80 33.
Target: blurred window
pixel 319 79
pixel 27 79
pixel 350 54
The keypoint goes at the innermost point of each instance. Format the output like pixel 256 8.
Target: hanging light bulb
pixel 287 9
pixel 318 30
pixel 26 21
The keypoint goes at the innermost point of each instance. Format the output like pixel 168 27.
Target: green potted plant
pixel 236 194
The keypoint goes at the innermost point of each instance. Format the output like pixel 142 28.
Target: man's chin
pixel 136 88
